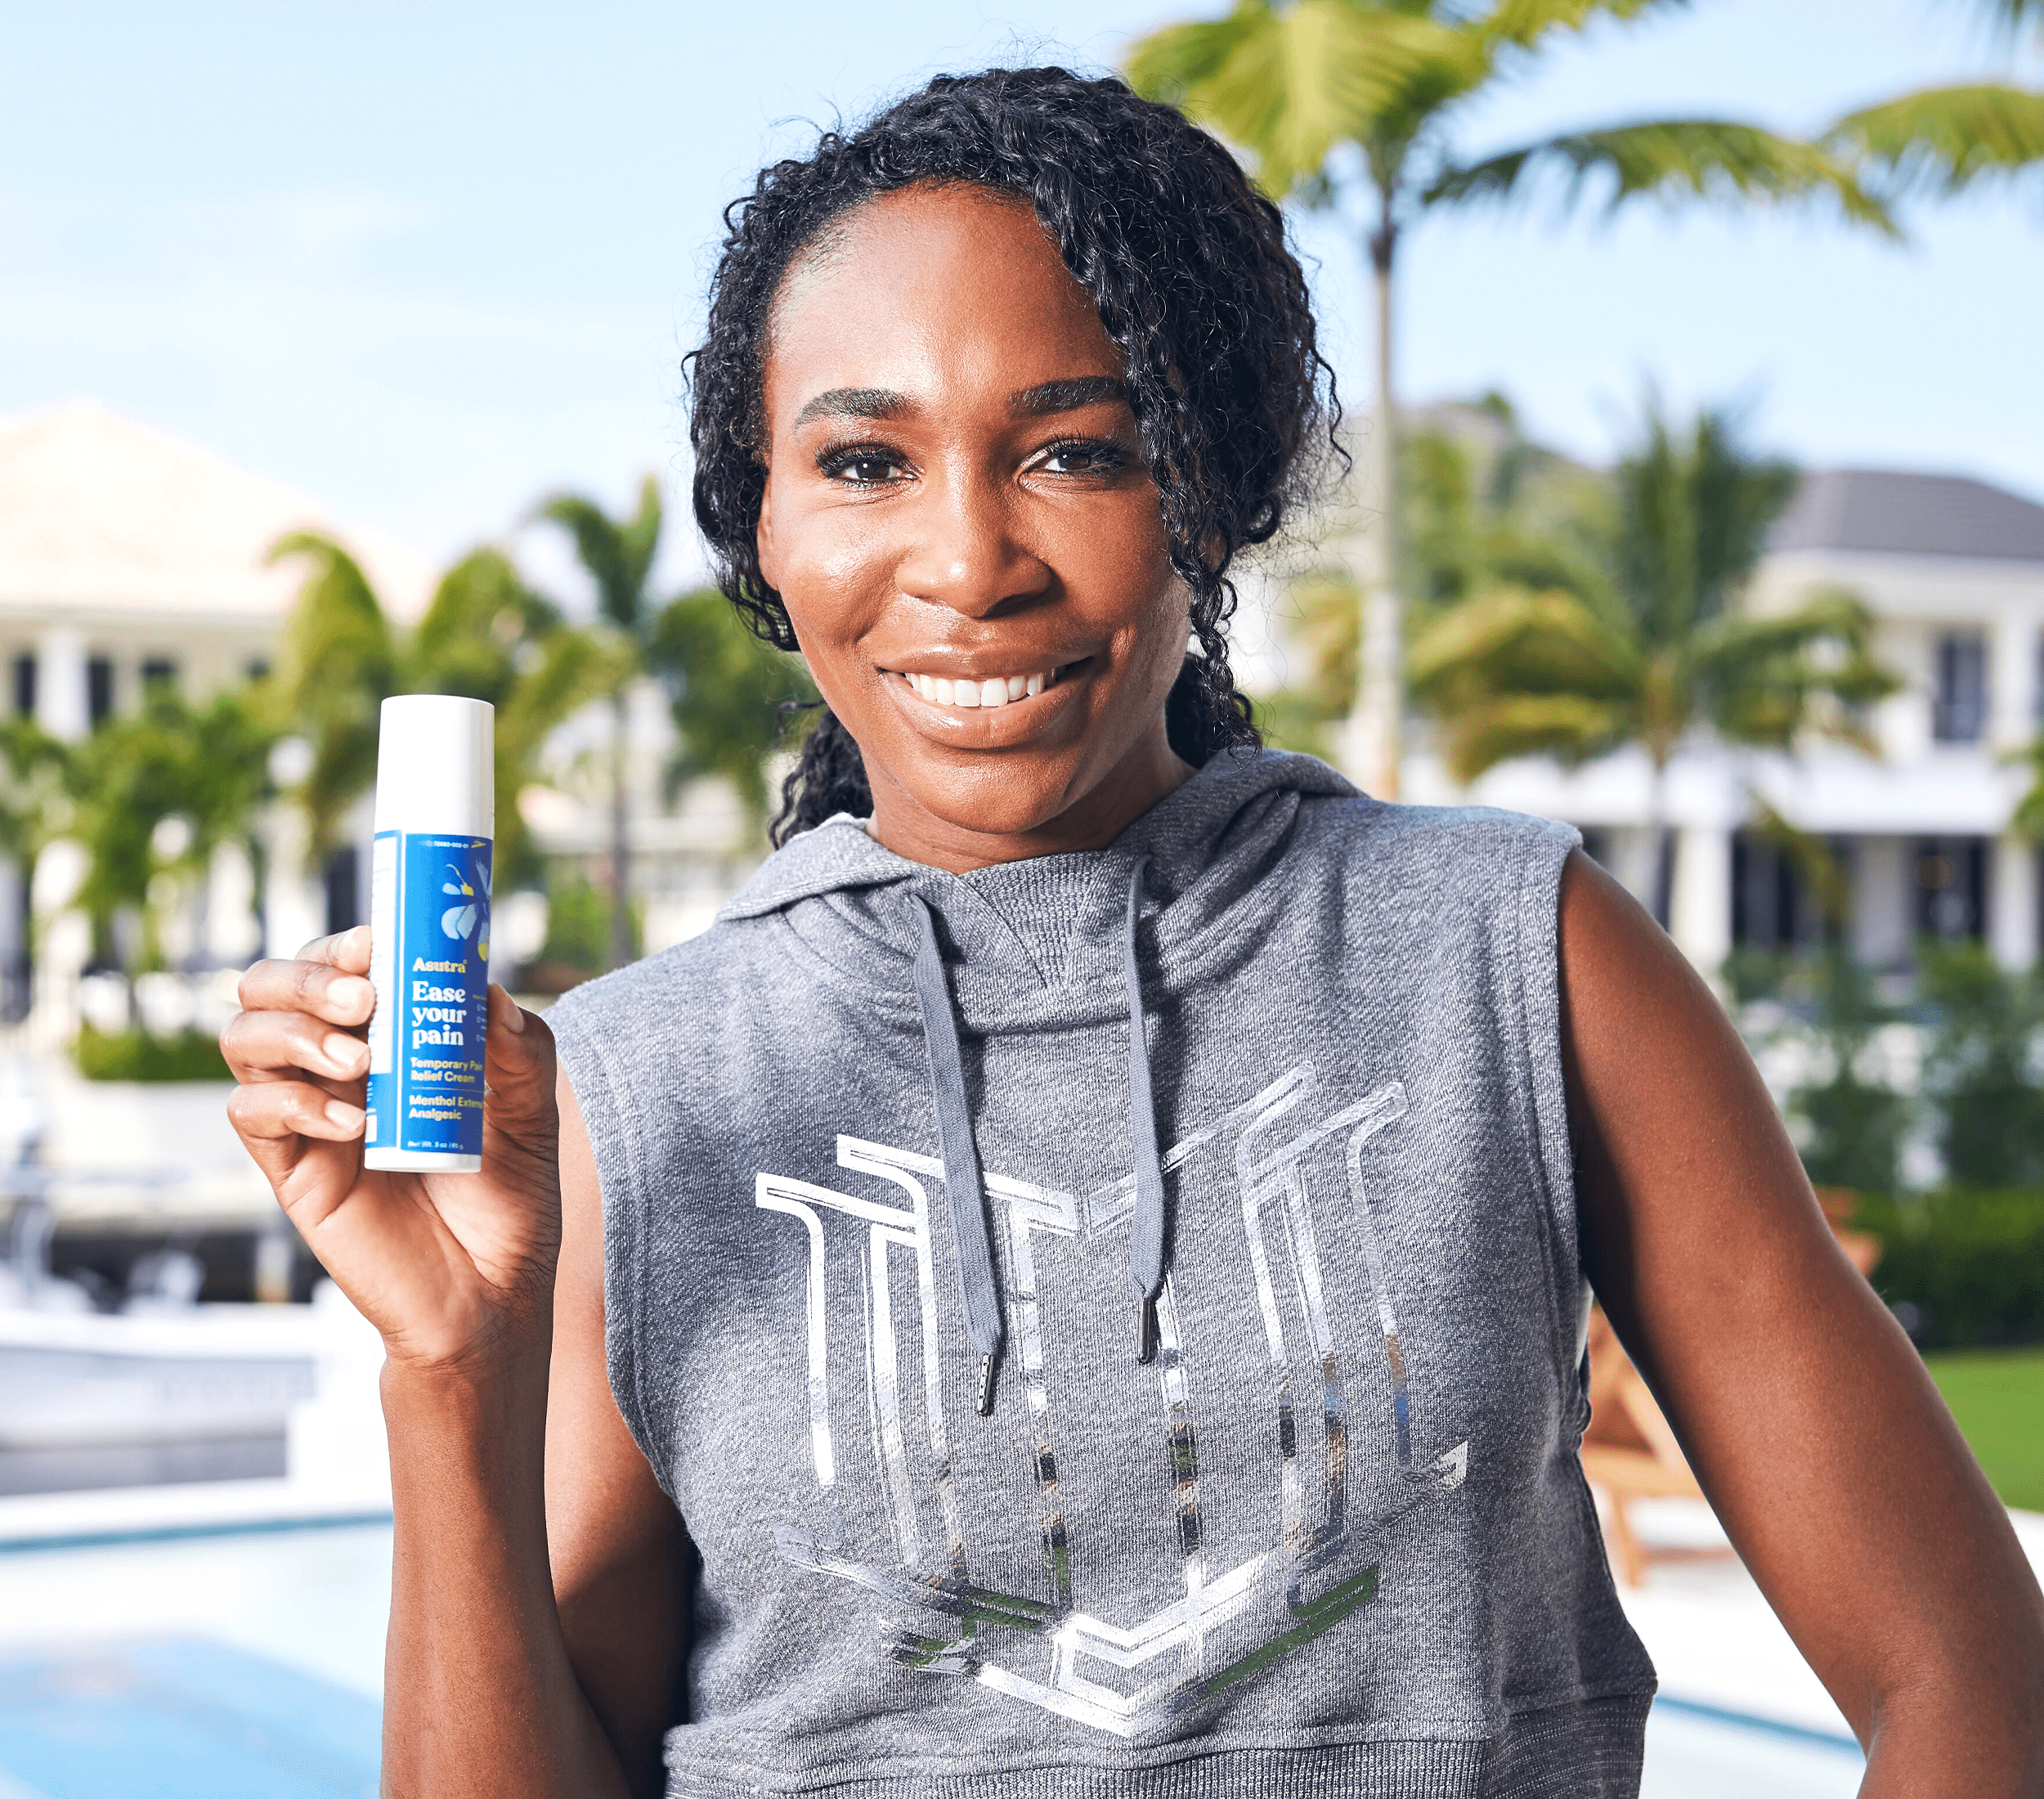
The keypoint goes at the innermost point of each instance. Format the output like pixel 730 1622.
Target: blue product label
pixel 429 958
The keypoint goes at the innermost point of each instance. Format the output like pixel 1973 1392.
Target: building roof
pixel 1888 512
pixel 99 515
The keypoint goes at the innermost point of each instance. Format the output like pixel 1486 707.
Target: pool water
pixel 248 1665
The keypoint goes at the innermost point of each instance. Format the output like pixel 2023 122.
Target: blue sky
pixel 427 262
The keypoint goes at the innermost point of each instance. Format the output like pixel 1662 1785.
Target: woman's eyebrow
pixel 1067 396
pixel 853 403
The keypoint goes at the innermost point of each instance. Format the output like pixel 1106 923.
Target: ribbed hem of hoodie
pixel 1580 1752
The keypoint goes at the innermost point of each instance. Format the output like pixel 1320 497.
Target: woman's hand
pixel 449 1267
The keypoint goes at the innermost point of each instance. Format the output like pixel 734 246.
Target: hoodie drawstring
pixel 1146 1228
pixel 961 1154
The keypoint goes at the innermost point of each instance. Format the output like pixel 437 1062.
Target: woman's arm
pixel 621 1556
pixel 484 1691
pixel 1808 1416
pixel 561 1684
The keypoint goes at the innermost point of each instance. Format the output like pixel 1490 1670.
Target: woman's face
pixel 958 518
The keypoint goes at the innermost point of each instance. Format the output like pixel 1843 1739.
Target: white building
pixel 1953 571
pixel 128 557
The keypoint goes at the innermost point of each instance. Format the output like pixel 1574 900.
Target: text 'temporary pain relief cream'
pixel 429 933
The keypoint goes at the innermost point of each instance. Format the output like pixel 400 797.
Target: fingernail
pixel 343 1051
pixel 513 1013
pixel 346 1117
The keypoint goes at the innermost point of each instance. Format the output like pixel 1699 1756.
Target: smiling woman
pixel 769 1405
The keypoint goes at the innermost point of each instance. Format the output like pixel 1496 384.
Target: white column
pixel 1700 900
pixel 293 905
pixel 61 705
pixel 1883 897
pixel 2012 902
pixel 2012 671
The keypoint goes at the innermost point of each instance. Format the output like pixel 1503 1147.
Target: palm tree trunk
pixel 1657 892
pixel 621 840
pixel 1373 748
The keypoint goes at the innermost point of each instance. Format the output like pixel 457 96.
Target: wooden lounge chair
pixel 1629 1451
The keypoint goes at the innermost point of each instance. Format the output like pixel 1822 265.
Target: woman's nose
pixel 966 552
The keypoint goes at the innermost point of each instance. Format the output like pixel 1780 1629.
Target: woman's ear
pixel 763 534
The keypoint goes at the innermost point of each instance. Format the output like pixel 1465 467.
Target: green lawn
pixel 1998 1396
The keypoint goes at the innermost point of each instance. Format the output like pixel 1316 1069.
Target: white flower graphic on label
pixel 458 919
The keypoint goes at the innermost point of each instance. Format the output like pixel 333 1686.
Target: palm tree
pixel 1480 505
pixel 1653 649
pixel 730 692
pixel 618 555
pixel 485 634
pixel 204 768
pixel 1389 79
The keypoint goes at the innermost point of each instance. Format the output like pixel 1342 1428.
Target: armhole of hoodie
pixel 598 1080
pixel 1538 944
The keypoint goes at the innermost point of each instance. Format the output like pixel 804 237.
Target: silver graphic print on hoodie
pixel 886 1238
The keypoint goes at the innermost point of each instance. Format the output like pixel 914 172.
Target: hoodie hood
pixel 1038 942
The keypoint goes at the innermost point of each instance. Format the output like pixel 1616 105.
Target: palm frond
pixel 1510 639
pixel 1288 87
pixel 618 556
pixel 1523 23
pixel 1940 140
pixel 340 664
pixel 1570 727
pixel 2029 818
pixel 1765 680
pixel 1671 160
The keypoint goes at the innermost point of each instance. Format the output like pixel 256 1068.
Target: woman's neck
pixel 1093 819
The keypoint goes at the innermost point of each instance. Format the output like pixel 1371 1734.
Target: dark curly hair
pixel 1195 286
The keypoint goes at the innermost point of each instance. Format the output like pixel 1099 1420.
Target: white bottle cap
pixel 436 765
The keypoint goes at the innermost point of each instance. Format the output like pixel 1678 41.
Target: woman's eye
pixel 1088 458
pixel 861 468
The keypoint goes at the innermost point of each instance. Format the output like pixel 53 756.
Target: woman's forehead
pixel 931 289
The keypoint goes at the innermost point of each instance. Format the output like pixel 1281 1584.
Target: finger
pixel 266 1045
pixel 347 950
pixel 518 1050
pixel 310 985
pixel 274 1111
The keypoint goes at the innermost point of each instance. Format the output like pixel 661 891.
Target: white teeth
pixel 999 690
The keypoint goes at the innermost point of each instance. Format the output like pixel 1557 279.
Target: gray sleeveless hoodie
pixel 881 1150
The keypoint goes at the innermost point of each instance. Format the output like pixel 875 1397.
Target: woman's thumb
pixel 520 1051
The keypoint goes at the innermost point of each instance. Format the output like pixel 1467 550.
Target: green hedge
pixel 134 1054
pixel 1961 1267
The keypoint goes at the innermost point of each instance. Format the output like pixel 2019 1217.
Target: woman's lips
pixel 968 694
pixel 991 711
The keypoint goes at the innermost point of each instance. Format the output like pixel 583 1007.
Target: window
pixel 1951 886
pixel 1778 901
pixel 342 880
pixel 159 672
pixel 25 686
pixel 1958 713
pixel 258 667
pixel 99 690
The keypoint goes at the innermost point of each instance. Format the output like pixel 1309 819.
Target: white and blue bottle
pixel 429 932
